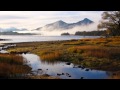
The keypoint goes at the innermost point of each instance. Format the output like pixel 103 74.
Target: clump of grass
pixel 75 50
pixel 43 52
pixel 11 59
pixel 96 52
pixel 114 53
pixel 56 55
pixel 11 66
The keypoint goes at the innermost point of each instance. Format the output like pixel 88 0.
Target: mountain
pixel 63 25
pixel 86 21
pixel 57 25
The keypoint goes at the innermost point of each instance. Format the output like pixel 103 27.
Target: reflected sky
pixel 62 70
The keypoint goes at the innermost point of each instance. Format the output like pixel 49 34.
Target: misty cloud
pixel 58 32
pixel 4 17
pixel 9 23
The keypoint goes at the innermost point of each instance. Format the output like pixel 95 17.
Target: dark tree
pixel 65 33
pixel 111 22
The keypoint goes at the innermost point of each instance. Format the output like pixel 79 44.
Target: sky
pixel 34 19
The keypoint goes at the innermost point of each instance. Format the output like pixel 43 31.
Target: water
pixel 61 69
pixel 33 38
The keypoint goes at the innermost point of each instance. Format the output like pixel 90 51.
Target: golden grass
pixel 11 66
pixel 51 56
pixel 96 51
pixel 12 59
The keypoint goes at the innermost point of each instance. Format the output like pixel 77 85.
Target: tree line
pixel 91 33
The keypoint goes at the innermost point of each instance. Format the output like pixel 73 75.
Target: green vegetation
pixel 101 53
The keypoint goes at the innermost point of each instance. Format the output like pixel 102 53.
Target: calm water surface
pixel 33 38
pixel 62 70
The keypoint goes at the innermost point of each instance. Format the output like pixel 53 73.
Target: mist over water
pixel 57 32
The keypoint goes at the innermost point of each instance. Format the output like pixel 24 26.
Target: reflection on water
pixel 63 70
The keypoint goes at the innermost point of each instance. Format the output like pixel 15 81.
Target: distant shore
pixel 4 39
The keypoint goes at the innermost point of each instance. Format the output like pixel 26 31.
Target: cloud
pixel 9 23
pixel 4 17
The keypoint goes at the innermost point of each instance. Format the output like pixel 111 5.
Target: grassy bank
pixel 11 66
pixel 101 53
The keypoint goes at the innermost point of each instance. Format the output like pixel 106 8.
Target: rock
pixel 81 77
pixel 69 76
pixel 87 70
pixel 58 74
pixel 46 75
pixel 82 67
pixel 68 63
pixel 67 73
pixel 39 69
pixel 79 66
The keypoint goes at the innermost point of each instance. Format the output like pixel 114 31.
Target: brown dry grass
pixel 51 56
pixel 11 66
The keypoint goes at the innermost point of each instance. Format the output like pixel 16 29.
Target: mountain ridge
pixel 60 24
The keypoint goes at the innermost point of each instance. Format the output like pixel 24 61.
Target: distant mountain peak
pixel 86 19
pixel 60 21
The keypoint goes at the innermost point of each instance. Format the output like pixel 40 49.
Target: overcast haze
pixel 34 19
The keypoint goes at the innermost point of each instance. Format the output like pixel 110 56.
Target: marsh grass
pixel 96 51
pixel 11 66
pixel 100 53
pixel 51 56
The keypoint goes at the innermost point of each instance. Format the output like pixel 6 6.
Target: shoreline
pixel 41 41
